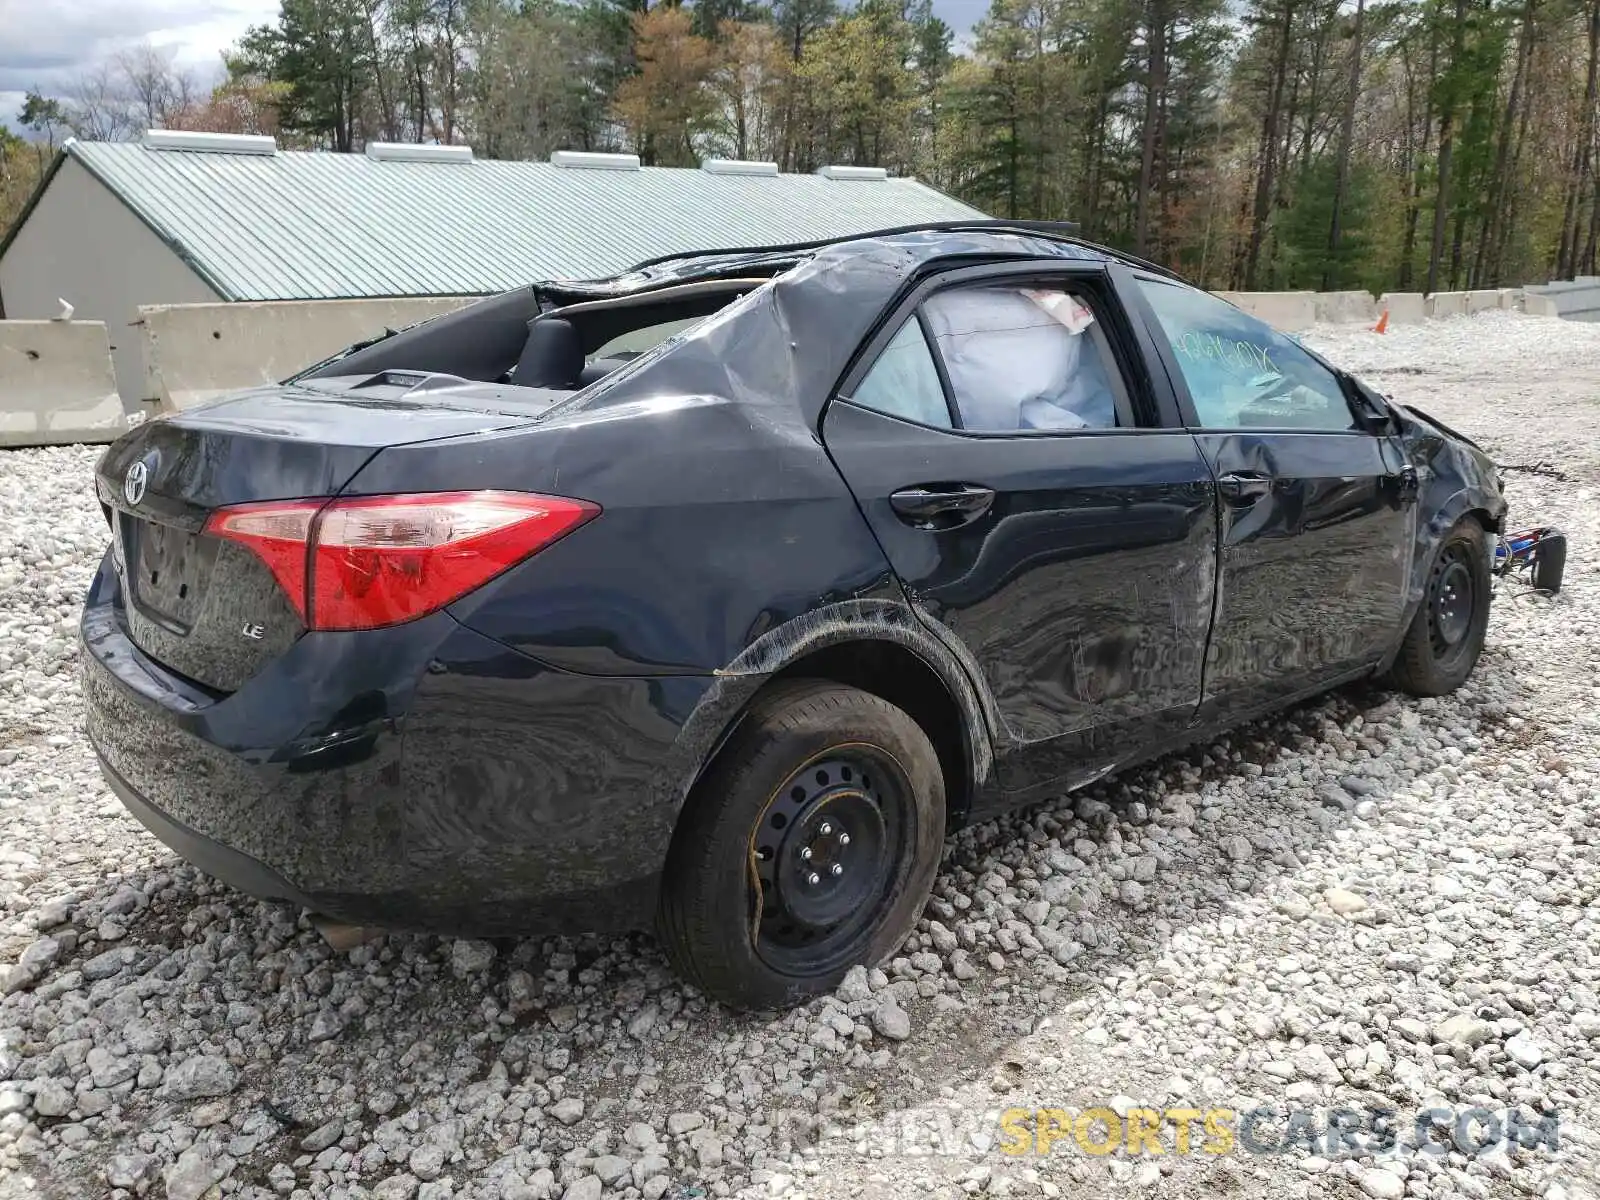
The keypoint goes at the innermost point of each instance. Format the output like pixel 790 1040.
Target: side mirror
pixel 1371 409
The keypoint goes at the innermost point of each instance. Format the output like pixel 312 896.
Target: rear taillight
pixel 279 533
pixel 369 561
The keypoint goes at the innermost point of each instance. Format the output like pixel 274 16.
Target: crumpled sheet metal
pixel 783 349
pixel 1454 478
pixel 850 620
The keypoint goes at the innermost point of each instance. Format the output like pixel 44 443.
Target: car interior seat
pixel 552 357
pixel 601 367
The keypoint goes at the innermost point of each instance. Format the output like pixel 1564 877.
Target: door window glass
pixel 904 382
pixel 1022 358
pixel 1241 372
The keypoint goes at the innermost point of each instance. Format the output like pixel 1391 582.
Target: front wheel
pixel 1446 636
pixel 809 847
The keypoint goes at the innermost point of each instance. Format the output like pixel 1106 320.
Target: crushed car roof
pixel 785 347
pixel 915 244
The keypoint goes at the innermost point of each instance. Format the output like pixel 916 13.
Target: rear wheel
pixel 1446 636
pixel 809 847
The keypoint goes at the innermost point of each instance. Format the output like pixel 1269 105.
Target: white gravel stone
pixel 892 1021
pixel 1524 1051
pixel 196 1170
pixel 427 1161
pixel 680 1123
pixel 1462 1030
pixel 568 1111
pixel 51 1099
pixel 396 1187
pixel 198 1077
pixel 130 1170
pixel 323 1136
pixel 469 957
pixel 1382 1184
pixel 1344 902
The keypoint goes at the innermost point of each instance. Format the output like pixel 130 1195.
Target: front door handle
pixel 941 505
pixel 1244 488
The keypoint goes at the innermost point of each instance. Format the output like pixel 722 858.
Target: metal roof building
pixel 195 218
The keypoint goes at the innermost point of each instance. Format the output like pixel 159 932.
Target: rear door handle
pixel 1244 488
pixel 941 505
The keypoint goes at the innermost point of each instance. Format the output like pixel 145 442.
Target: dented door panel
pixel 1313 571
pixel 1083 593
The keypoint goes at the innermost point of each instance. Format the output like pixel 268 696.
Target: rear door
pixel 1005 442
pixel 1315 509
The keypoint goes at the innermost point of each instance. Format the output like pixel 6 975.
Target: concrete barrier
pixel 196 352
pixel 57 384
pixel 1404 308
pixel 1342 307
pixel 1570 299
pixel 1447 304
pixel 1288 312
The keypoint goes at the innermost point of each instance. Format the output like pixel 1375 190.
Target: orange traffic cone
pixel 1383 323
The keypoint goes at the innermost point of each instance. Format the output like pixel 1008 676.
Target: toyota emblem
pixel 133 486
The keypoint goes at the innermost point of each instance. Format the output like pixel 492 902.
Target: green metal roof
pixel 305 226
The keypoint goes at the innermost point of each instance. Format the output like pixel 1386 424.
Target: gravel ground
pixel 1369 903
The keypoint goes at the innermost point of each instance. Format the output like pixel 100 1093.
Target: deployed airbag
pixel 1020 358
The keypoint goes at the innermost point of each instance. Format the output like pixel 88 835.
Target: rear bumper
pixel 211 856
pixel 422 777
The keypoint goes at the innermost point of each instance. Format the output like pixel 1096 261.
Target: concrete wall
pixel 195 352
pixel 1572 299
pixel 1287 312
pixel 1404 308
pixel 62 253
pixel 1340 307
pixel 57 384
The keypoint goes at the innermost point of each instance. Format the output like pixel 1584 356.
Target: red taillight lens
pixel 386 559
pixel 370 561
pixel 279 533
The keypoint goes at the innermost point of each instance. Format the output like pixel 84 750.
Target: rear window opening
pixel 510 339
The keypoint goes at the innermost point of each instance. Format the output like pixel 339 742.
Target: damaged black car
pixel 708 598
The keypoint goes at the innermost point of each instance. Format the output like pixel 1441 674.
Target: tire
pixel 1550 563
pixel 1445 639
pixel 752 911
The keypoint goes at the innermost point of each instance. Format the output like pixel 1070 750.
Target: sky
pixel 45 44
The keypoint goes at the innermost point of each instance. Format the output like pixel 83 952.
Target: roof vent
pixel 595 162
pixel 216 143
pixel 855 174
pixel 738 166
pixel 417 152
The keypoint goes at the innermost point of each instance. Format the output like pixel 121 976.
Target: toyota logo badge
pixel 133 486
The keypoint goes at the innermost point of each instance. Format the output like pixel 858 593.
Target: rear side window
pixel 1242 373
pixel 1021 358
pixel 999 359
pixel 904 382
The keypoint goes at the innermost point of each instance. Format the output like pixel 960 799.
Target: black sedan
pixel 711 596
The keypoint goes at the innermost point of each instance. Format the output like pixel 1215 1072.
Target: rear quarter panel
pixel 720 521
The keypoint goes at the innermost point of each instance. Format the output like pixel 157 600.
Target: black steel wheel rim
pixel 824 855
pixel 1452 601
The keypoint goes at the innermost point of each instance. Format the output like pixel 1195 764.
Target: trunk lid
pixel 205 607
